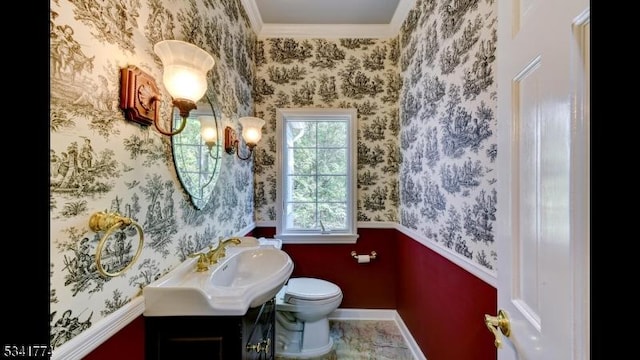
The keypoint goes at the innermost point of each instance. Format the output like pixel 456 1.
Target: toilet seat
pixel 303 291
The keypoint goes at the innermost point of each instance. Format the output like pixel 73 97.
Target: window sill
pixel 318 238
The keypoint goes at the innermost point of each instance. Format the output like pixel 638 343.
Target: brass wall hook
pixel 110 222
pixel 103 221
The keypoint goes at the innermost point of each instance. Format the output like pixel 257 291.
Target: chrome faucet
pixel 219 252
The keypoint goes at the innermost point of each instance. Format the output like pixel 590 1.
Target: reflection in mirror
pixel 197 150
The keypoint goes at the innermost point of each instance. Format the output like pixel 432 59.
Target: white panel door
pixel 543 179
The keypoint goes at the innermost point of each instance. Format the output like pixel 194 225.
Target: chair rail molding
pixel 90 339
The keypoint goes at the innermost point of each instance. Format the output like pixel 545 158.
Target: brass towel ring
pixel 110 222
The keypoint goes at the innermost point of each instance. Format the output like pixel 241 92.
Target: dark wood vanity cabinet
pixel 249 337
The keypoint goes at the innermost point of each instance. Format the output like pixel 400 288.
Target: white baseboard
pixel 413 346
pixel 381 314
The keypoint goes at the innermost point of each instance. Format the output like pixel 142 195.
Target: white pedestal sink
pixel 247 277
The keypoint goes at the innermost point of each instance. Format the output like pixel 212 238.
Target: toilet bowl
pixel 303 306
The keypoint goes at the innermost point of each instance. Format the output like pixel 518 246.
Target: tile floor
pixel 365 339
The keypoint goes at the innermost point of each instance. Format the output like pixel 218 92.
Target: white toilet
pixel 303 306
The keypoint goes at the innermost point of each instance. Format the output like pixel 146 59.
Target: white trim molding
pixel 90 339
pixel 473 268
pixel 480 272
pixel 359 224
pixel 269 223
pixel 413 345
pixel 376 225
pixel 404 6
pixel 327 31
pixel 251 8
pixel 330 31
pixel 246 229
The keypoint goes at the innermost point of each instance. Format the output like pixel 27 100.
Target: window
pixel 316 181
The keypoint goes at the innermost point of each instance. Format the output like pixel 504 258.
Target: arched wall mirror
pixel 197 150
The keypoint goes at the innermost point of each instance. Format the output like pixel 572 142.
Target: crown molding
pixel 383 31
pixel 255 19
pixel 404 6
pixel 326 31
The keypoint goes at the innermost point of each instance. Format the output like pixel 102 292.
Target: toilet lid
pixel 311 289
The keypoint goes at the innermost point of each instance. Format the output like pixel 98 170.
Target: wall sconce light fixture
pixel 251 133
pixel 208 130
pixel 184 76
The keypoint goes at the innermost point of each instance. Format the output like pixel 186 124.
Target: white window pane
pixel 303 161
pixel 332 161
pixel 332 188
pixel 301 134
pixel 317 181
pixel 301 216
pixel 333 215
pixel 332 134
pixel 303 188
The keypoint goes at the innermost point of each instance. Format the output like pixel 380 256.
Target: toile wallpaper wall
pixel 333 73
pixel 448 126
pixel 426 105
pixel 102 162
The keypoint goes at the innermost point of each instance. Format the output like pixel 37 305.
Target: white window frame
pixel 348 236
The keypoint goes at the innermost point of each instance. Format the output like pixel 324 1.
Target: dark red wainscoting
pixel 364 286
pixel 443 305
pixel 127 344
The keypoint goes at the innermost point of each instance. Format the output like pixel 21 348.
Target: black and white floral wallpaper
pixel 426 103
pixel 102 162
pixel 448 126
pixel 340 73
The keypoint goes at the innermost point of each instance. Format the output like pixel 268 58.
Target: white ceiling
pixel 327 18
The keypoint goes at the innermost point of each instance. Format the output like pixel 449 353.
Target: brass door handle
pixel 498 322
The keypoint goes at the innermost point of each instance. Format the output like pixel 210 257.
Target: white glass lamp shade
pixel 251 129
pixel 208 130
pixel 185 69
